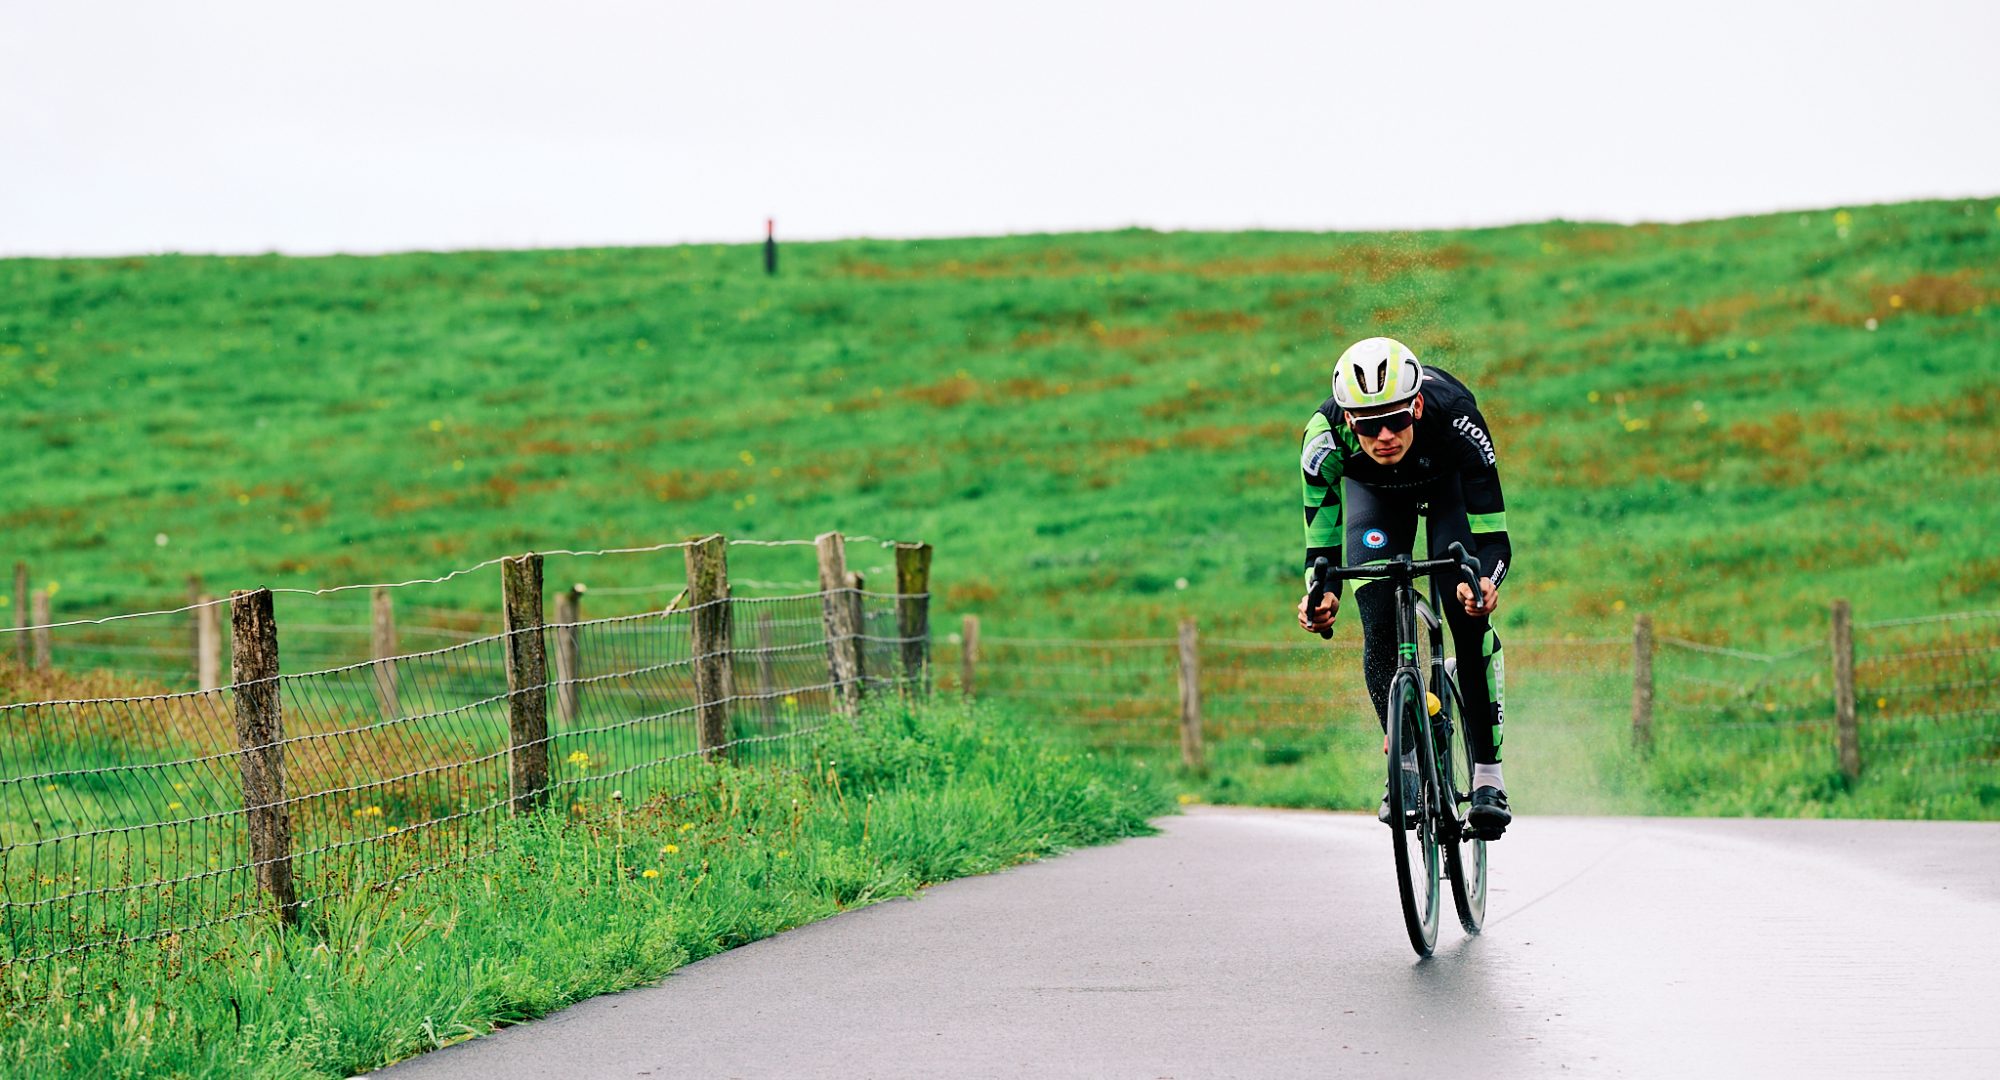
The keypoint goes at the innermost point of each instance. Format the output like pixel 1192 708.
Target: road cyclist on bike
pixel 1398 441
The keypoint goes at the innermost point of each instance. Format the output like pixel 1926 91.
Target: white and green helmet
pixel 1375 372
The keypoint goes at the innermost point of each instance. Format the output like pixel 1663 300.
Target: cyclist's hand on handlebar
pixel 1319 621
pixel 1489 598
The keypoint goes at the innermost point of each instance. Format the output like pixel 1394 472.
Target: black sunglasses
pixel 1370 426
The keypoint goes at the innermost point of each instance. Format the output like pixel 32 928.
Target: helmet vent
pixel 1381 377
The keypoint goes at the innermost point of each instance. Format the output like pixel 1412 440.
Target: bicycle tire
pixel 1414 836
pixel 1465 865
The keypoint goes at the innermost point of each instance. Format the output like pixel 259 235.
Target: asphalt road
pixel 1267 943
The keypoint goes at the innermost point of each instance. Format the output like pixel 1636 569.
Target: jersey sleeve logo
pixel 1375 538
pixel 1478 438
pixel 1316 452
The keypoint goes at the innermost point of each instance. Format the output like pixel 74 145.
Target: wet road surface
pixel 1267 943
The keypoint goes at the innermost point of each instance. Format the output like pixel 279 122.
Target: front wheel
pixel 1464 858
pixel 1413 825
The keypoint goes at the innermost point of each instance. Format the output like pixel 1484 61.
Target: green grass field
pixel 1693 419
pixel 1722 423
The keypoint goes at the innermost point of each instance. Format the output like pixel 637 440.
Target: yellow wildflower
pixel 173 806
pixel 686 825
pixel 671 849
pixel 650 874
pixel 579 759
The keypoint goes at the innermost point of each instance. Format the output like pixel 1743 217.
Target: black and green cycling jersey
pixel 1451 446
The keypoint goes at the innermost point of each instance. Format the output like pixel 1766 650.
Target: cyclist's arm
pixel 1485 505
pixel 1320 467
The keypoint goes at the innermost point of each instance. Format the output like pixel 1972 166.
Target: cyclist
pixel 1398 440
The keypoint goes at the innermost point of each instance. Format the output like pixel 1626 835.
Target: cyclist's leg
pixel 1481 669
pixel 1380 525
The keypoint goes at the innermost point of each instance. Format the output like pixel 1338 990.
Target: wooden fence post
pixel 197 596
pixel 1191 748
pixel 21 603
pixel 1843 689
pixel 968 656
pixel 842 663
pixel 260 733
pixel 527 682
pixel 42 619
pixel 208 645
pixel 708 608
pixel 1642 681
pixel 913 615
pixel 569 610
pixel 858 618
pixel 382 646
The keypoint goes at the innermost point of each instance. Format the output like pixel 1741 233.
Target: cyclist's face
pixel 1388 447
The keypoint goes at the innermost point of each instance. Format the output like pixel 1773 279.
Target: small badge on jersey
pixel 1316 452
pixel 1375 538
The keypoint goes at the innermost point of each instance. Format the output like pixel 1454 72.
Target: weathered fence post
pixel 1843 689
pixel 260 734
pixel 1642 681
pixel 208 644
pixel 569 611
pixel 527 682
pixel 842 662
pixel 913 615
pixel 382 646
pixel 858 618
pixel 708 608
pixel 42 619
pixel 197 596
pixel 1191 748
pixel 21 603
pixel 767 682
pixel 968 656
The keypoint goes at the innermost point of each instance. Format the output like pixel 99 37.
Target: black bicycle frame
pixel 1405 572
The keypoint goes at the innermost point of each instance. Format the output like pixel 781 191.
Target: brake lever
pixel 1469 568
pixel 1316 591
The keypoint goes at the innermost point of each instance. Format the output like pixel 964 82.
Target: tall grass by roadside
pixel 566 910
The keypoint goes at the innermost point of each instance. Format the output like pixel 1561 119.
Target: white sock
pixel 1487 776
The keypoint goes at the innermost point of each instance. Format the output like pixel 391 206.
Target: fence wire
pixel 1927 695
pixel 122 801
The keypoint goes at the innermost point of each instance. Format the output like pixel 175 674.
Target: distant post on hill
pixel 771 246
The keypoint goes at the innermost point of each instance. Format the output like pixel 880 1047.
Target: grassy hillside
pixel 1724 422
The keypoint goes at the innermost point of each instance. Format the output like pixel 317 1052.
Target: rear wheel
pixel 1413 826
pixel 1464 859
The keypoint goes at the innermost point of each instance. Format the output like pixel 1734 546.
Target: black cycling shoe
pixel 1489 816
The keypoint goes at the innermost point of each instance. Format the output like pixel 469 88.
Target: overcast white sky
pixel 305 126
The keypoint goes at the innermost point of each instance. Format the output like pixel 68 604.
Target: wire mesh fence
pixel 129 812
pixel 1927 695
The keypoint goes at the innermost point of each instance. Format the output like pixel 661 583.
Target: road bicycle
pixel 1428 817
